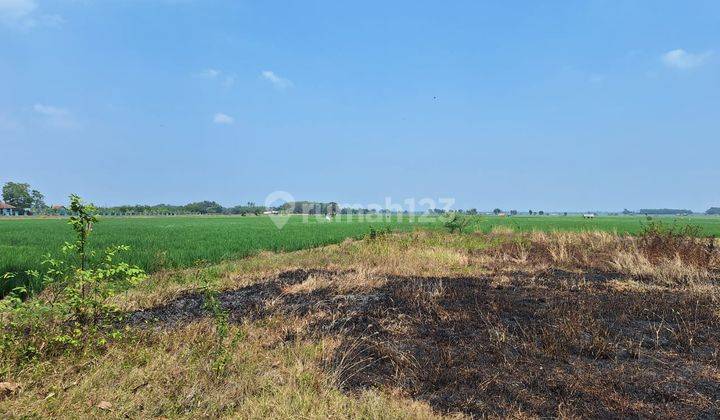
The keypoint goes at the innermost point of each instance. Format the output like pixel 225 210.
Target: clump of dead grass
pixel 654 256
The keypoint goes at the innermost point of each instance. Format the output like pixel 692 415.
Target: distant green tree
pixel 17 194
pixel 665 211
pixel 497 211
pixel 38 201
pixel 713 210
pixel 204 207
pixel 249 208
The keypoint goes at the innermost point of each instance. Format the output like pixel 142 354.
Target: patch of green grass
pixel 710 226
pixel 159 243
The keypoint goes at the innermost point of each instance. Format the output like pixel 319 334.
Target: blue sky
pixel 576 105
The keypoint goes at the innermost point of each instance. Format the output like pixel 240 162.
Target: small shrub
pixel 376 233
pixel 211 303
pixel 456 222
pixel 658 240
pixel 72 312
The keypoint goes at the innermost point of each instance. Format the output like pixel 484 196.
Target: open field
pixel 710 225
pixel 159 243
pixel 411 325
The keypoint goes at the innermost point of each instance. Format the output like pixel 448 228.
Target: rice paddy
pixel 160 243
pixel 709 225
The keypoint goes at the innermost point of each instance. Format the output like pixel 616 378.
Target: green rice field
pixel 159 243
pixel 710 225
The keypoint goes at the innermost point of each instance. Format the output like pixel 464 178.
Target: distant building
pixel 8 210
pixel 588 215
pixel 59 209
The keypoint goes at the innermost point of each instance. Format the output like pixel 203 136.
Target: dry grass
pixel 414 326
pixel 169 374
pixel 677 261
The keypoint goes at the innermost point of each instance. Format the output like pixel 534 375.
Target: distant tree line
pixel 664 211
pixel 309 207
pixel 31 201
pixel 199 207
pixel 212 207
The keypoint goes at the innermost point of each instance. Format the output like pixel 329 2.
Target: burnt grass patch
pixel 526 346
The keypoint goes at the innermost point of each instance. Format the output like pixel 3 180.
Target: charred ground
pixel 418 325
pixel 557 326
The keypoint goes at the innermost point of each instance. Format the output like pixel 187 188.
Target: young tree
pixel 84 216
pixel 17 194
pixel 38 201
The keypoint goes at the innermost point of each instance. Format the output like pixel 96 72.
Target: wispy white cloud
pixel 50 111
pixel 221 118
pixel 225 78
pixel 681 59
pixel 57 117
pixel 17 9
pixel 277 81
pixel 25 14
pixel 210 73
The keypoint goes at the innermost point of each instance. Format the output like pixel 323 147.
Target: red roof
pixel 6 206
pixel 58 207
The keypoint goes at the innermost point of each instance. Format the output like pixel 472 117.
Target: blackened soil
pixel 529 347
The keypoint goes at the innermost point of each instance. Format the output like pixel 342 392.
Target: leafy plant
pixel 376 233
pixel 455 222
pixel 73 311
pixel 82 222
pixel 220 316
pixel 221 354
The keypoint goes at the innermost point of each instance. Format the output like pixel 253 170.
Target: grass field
pixel 421 325
pixel 159 243
pixel 621 224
